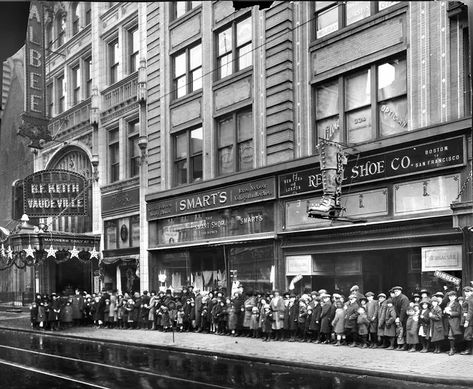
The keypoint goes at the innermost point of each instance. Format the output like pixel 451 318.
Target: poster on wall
pixel 442 258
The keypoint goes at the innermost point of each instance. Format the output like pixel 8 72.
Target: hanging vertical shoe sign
pixel 34 124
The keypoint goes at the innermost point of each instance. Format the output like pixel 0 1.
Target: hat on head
pixel 325 295
pixel 363 299
pixel 337 296
pixel 452 293
pixel 322 291
pixel 368 294
pixel 435 299
pixel 352 296
pixel 438 294
pixel 388 301
pixel 468 289
pixel 381 295
pixel 354 287
pixel 415 295
pixel 424 291
pixel 397 288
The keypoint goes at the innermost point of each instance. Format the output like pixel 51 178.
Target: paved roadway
pixel 89 357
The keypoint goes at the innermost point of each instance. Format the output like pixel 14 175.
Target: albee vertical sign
pixel 34 121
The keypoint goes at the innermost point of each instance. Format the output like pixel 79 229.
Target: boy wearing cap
pixel 468 323
pixel 372 313
pixel 351 314
pixel 381 320
pixel 452 316
pixel 326 317
pixel 389 325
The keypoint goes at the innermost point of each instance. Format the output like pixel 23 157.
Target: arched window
pixel 88 13
pixel 60 28
pixel 75 18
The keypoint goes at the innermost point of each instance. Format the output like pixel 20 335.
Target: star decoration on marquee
pixel 29 252
pixel 74 252
pixel 94 253
pixel 51 252
pixel 10 253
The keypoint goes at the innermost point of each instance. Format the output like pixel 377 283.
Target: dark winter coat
pixel 372 308
pixel 389 319
pixel 351 314
pixel 315 318
pixel 326 316
pixel 452 319
pixel 363 323
pixel 401 304
pixel 54 310
pixel 436 324
pixel 412 330
pixel 293 315
pixel 381 317
pixel 424 322
pixel 77 306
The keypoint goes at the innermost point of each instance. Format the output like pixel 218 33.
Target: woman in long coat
pixel 381 316
pixel 326 317
pixel 249 303
pixel 436 325
pixel 232 319
pixel 278 311
pixel 314 326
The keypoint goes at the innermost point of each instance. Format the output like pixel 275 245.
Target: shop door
pixel 73 274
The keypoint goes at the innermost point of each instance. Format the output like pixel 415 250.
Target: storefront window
pixel 111 232
pixel 327 20
pixel 327 111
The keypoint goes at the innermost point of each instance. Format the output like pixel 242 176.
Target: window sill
pixel 185 99
pixel 248 71
pixel 120 184
pixel 361 25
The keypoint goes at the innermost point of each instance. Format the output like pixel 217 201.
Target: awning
pixel 30 247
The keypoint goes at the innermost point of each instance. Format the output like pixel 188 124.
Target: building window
pixel 188 156
pixel 49 35
pixel 235 142
pixel 188 71
pixel 114 60
pixel 133 149
pixel 60 92
pixel 88 76
pixel 331 16
pixel 75 75
pixel 88 13
pixel 113 154
pixel 181 7
pixel 49 99
pixel 373 101
pixel 133 49
pixel 61 28
pixel 75 18
pixel 234 48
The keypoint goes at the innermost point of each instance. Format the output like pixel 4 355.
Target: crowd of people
pixel 442 321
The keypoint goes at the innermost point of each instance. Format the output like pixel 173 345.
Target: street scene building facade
pixel 198 126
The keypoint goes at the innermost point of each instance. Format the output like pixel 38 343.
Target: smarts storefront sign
pixel 228 196
pixel 437 155
pixel 54 192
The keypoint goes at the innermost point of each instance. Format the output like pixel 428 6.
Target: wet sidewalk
pixel 434 368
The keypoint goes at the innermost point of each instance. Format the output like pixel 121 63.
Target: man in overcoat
pixel 351 315
pixel 77 307
pixel 278 310
pixel 401 304
pixel 468 323
pixel 372 314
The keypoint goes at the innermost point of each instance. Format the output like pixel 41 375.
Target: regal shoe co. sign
pixel 55 192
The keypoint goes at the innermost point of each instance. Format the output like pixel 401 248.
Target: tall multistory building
pixel 199 127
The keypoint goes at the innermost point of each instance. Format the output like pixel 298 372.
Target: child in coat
pixel 254 321
pixel 424 324
pixel 34 315
pixel 436 325
pixel 266 321
pixel 389 326
pixel 363 326
pixel 412 329
pixel 338 323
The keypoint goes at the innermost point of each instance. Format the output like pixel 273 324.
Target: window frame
pixel 374 102
pixel 75 18
pixel 133 160
pixel 50 99
pixel 188 6
pixel 189 158
pixel 60 31
pixel 235 116
pixel 235 49
pixel 342 15
pixel 113 55
pixel 60 94
pixel 76 83
pixel 113 147
pixel 87 12
pixel 87 72
pixel 189 83
pixel 133 52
